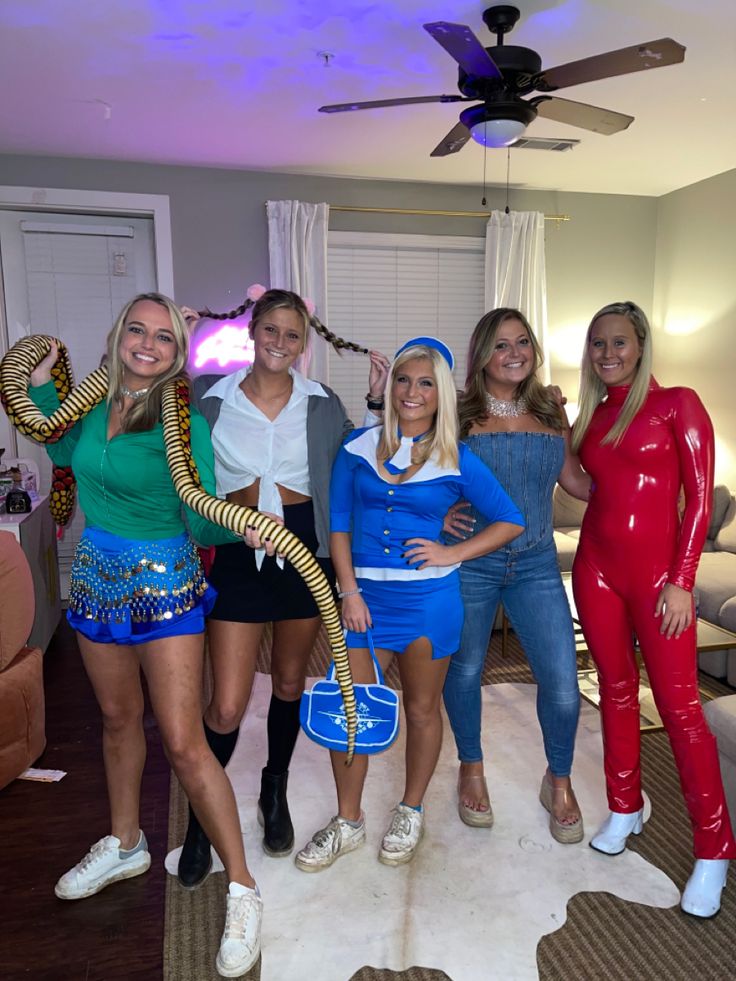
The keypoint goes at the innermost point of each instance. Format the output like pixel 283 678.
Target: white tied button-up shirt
pixel 249 446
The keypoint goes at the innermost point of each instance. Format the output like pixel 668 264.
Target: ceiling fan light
pixel 497 132
pixel 498 123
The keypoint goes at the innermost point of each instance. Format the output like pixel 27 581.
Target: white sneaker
pixel 104 863
pixel 403 835
pixel 338 838
pixel 241 938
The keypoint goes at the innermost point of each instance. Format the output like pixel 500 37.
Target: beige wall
pixel 694 312
pixel 220 241
pixel 675 256
pixel 606 253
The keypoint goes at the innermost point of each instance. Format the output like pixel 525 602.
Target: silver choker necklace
pixel 133 394
pixel 506 409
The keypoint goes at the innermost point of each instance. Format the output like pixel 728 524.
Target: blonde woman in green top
pixel 138 598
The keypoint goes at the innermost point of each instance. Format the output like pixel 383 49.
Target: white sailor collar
pixel 225 388
pixel 365 445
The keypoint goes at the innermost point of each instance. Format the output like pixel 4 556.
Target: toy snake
pixel 15 372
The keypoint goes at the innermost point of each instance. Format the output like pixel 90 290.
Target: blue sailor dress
pixel 405 602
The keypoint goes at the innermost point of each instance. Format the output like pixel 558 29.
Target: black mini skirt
pixel 246 594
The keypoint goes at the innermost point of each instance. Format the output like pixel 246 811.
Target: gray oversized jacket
pixel 327 427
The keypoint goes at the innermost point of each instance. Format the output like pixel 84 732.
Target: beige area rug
pixel 602 938
pixel 473 904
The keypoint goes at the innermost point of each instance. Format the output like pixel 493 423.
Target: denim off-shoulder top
pixel 527 466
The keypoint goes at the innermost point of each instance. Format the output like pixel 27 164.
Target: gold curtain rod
pixel 428 211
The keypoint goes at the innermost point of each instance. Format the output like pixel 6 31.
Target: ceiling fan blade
pixel 462 45
pixel 639 57
pixel 455 140
pixel 581 114
pixel 383 103
pixel 545 143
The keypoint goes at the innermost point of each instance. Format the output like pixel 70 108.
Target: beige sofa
pixel 721 716
pixel 567 516
pixel 715 583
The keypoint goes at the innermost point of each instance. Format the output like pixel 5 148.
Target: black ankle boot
pixel 273 814
pixel 195 860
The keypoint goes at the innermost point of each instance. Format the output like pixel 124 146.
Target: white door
pixel 68 275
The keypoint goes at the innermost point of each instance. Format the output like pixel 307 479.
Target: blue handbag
pixel 322 713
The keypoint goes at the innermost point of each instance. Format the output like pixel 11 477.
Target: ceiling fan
pixel 498 77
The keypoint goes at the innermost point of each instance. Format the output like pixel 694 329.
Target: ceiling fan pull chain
pixel 508 174
pixel 485 155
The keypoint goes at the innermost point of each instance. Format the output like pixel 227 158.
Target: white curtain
pixel 297 247
pixel 515 271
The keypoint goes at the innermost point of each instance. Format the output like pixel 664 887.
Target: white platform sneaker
pixel 329 843
pixel 106 862
pixel 240 946
pixel 702 895
pixel 403 836
pixel 612 834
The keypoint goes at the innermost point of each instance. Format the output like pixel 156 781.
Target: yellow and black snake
pixel 15 371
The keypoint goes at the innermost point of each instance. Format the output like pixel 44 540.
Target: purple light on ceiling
pixel 559 20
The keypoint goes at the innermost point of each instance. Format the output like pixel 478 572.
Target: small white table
pixel 36 533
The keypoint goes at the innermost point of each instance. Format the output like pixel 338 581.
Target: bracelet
pixel 375 403
pixel 349 592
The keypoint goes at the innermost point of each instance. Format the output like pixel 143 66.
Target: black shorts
pixel 247 595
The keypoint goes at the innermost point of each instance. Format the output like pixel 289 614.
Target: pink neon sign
pixel 226 345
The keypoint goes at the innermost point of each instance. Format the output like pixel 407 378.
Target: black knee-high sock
pixel 222 744
pixel 283 729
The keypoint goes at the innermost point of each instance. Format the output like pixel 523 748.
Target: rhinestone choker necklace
pixel 505 409
pixel 133 394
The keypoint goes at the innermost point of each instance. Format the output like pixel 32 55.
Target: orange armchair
pixel 22 709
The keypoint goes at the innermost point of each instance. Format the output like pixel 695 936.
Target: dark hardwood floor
pixel 46 828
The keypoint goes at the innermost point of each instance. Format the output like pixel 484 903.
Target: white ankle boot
pixel 702 895
pixel 612 834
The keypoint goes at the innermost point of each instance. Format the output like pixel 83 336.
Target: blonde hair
pixel 280 300
pixel 144 414
pixel 593 390
pixel 441 440
pixel 472 400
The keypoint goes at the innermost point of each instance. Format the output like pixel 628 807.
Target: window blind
pixel 383 290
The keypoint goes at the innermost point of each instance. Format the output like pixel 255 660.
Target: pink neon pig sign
pixel 227 345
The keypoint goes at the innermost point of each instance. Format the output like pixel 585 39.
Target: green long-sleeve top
pixel 124 483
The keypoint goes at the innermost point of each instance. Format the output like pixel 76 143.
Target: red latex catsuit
pixel 632 542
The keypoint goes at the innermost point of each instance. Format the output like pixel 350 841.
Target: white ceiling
pixel 236 83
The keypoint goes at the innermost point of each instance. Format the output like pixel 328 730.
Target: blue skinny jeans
pixel 529 585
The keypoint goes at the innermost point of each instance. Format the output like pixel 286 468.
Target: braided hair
pixel 275 299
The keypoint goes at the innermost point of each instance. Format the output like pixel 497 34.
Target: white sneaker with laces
pixel 104 863
pixel 403 835
pixel 241 938
pixel 338 838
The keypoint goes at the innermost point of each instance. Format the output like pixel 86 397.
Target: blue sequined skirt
pixel 123 591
